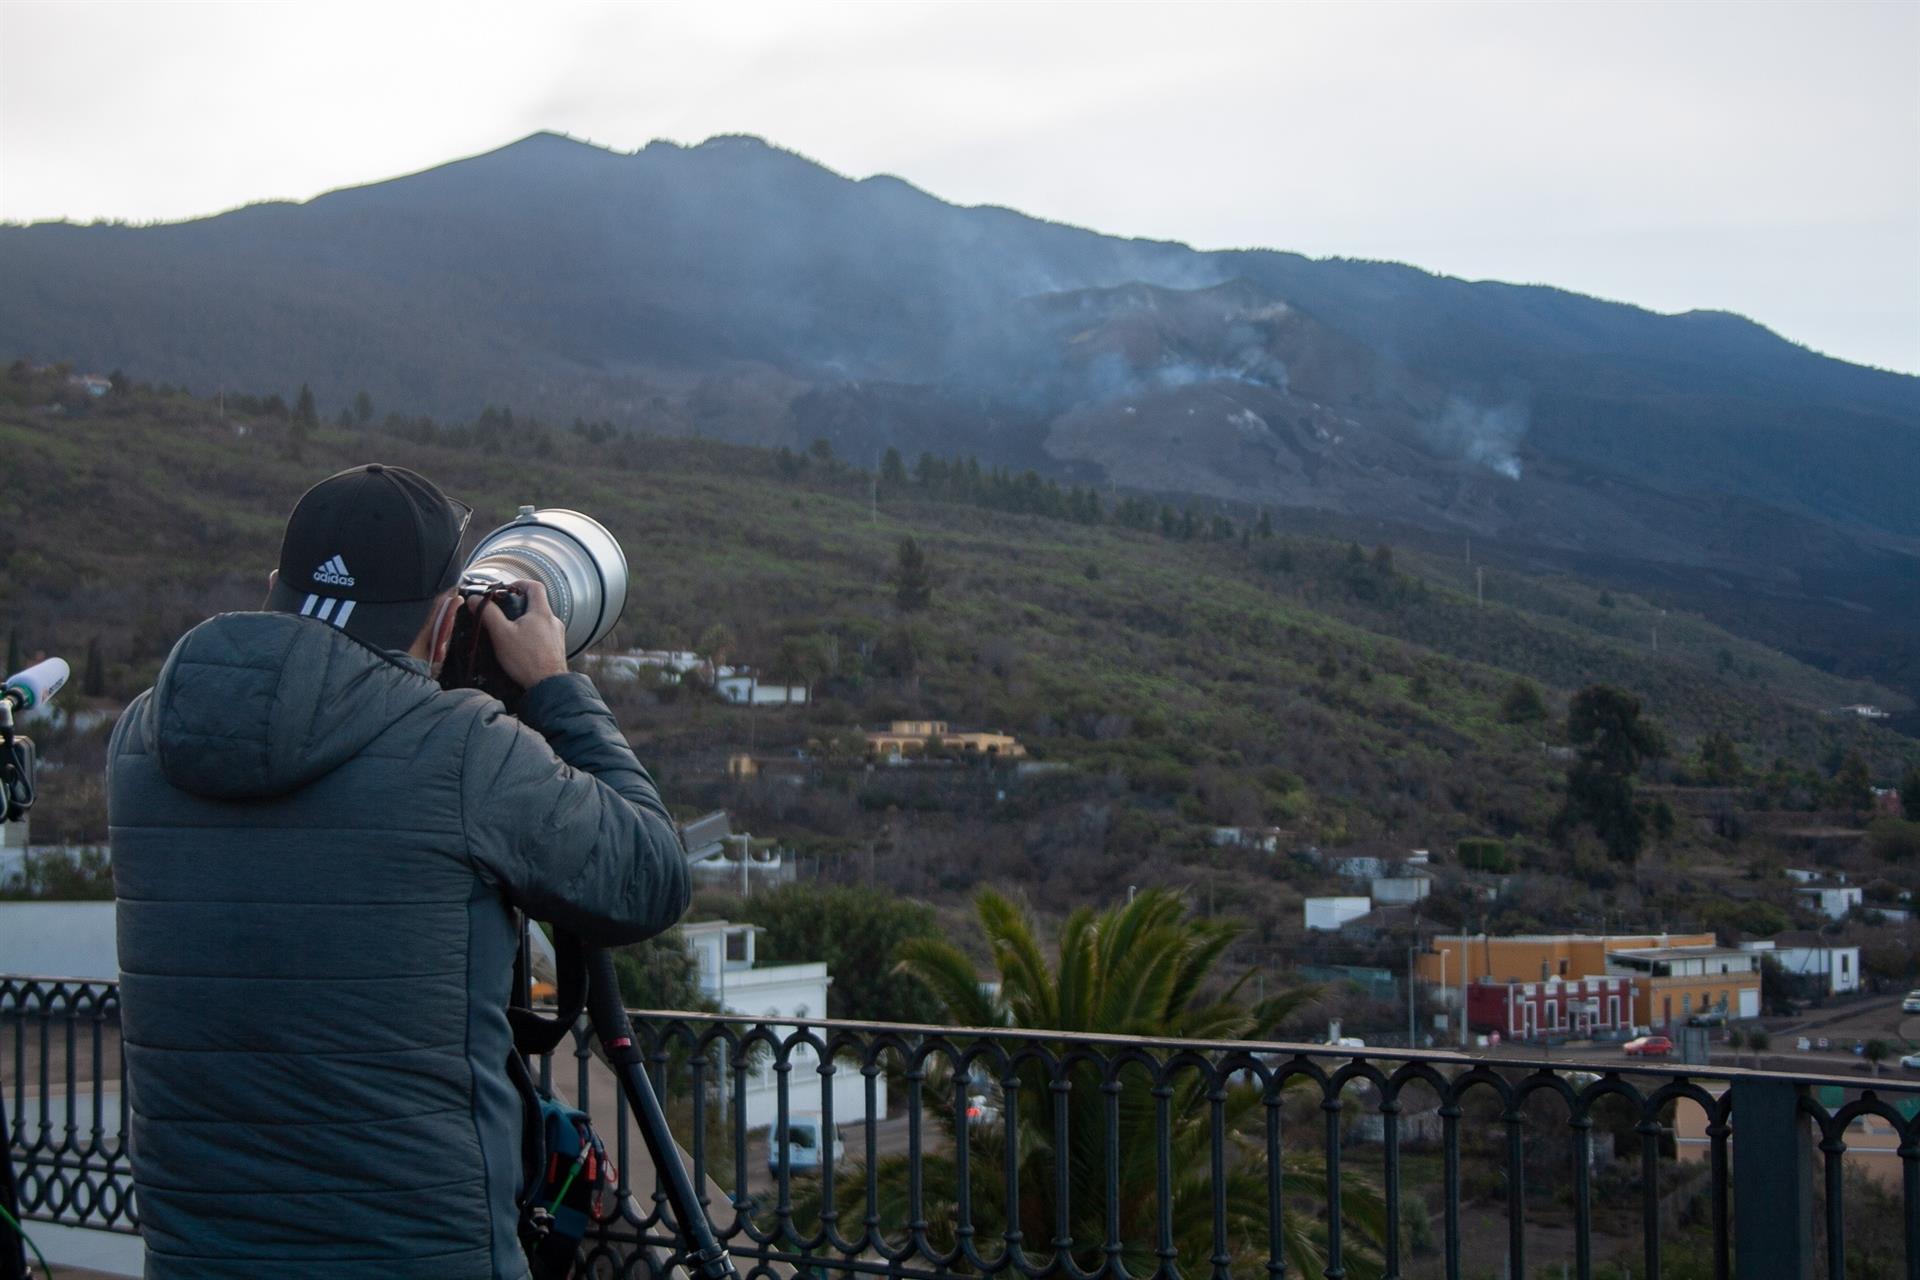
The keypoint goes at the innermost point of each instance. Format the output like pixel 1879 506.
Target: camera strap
pixel 538 1034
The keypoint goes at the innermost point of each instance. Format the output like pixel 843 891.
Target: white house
pixel 740 686
pixel 630 666
pixel 718 853
pixel 59 940
pixel 1807 955
pixel 1831 900
pixel 1331 914
pixel 1265 839
pixel 1402 890
pixel 782 995
pixel 13 852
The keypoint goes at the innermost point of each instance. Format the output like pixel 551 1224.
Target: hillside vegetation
pixel 1193 672
pixel 737 291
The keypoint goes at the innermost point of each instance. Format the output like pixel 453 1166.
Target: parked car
pixel 1708 1018
pixel 1911 1062
pixel 804 1147
pixel 1912 1003
pixel 1649 1047
pixel 980 1111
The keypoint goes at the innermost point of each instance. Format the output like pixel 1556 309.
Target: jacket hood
pixel 261 704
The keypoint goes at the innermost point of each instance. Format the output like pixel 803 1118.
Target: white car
pixel 804 1147
pixel 1912 1003
pixel 1911 1062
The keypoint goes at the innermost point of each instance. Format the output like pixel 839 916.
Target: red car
pixel 1649 1047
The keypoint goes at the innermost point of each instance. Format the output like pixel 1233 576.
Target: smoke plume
pixel 1487 437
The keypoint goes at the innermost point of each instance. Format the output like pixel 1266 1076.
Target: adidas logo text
pixel 335 572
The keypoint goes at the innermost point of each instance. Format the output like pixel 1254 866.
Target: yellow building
pixel 1675 975
pixel 1535 957
pixel 1674 983
pixel 905 738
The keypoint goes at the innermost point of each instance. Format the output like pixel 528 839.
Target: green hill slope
pixel 1345 694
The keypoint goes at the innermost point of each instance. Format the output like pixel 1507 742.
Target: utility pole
pixel 1480 586
pixel 746 884
pixel 1412 1026
pixel 1463 984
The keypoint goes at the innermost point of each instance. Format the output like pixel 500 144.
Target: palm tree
pixel 1139 969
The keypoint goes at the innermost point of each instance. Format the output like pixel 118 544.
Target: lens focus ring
pixel 524 563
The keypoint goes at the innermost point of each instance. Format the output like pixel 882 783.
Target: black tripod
pixel 587 978
pixel 706 1256
pixel 13 1245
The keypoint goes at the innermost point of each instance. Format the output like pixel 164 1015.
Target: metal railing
pixel 1029 1153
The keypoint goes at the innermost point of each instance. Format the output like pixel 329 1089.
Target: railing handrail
pixel 1083 1141
pixel 1301 1049
pixel 1291 1048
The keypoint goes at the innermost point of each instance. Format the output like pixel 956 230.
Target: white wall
pixel 771 994
pixel 1331 913
pixel 59 940
pixel 1401 889
pixel 1834 902
pixel 1838 967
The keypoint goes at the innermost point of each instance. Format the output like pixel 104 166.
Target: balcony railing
pixel 1026 1154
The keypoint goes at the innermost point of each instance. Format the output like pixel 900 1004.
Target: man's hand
pixel 531 647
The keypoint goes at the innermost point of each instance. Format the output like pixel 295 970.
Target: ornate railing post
pixel 1772 1182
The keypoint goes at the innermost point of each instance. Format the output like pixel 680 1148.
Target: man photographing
pixel 317 857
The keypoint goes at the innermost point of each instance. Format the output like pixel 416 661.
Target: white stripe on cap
pixel 340 618
pixel 306 610
pixel 326 609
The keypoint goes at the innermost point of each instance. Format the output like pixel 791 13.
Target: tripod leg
pixel 706 1256
pixel 13 1245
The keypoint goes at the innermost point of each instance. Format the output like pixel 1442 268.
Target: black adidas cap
pixel 367 551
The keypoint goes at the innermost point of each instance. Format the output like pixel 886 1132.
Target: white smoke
pixel 1487 437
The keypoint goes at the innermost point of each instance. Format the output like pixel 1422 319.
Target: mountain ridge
pixel 737 289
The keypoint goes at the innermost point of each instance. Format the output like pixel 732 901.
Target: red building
pixel 1576 1007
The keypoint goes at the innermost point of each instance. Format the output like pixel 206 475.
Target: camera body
pixel 572 555
pixel 470 663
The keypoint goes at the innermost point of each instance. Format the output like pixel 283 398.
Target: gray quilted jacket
pixel 315 851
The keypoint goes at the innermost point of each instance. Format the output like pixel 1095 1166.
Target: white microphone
pixel 36 685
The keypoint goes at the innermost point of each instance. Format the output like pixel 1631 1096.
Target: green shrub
pixel 1483 853
pixel 1893 839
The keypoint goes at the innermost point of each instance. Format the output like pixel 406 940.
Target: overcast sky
pixel 1758 157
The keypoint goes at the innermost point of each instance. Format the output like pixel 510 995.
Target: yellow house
pixel 1675 975
pixel 1535 957
pixel 1674 983
pixel 905 738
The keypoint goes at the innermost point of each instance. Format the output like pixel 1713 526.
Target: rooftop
pixel 1679 953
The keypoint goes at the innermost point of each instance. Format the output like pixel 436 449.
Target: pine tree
pixel 362 407
pixel 893 471
pixel 1614 740
pixel 305 412
pixel 1852 785
pixel 912 578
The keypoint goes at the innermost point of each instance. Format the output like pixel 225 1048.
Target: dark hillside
pixel 736 291
pixel 1214 674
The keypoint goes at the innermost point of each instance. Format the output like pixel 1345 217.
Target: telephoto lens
pixel 571 555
